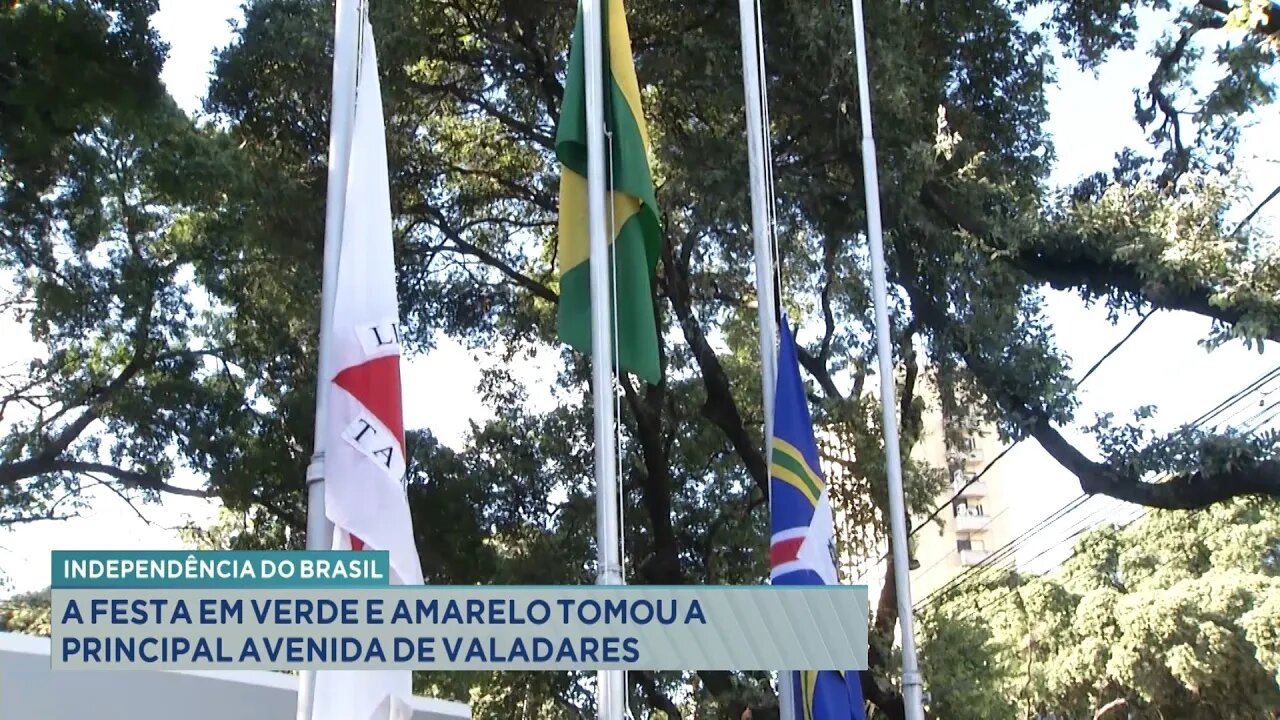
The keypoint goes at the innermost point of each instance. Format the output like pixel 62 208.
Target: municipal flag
pixel 365 447
pixel 634 233
pixel 802 547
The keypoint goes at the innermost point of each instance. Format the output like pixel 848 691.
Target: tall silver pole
pixel 346 23
pixel 762 235
pixel 761 230
pixel 912 690
pixel 611 694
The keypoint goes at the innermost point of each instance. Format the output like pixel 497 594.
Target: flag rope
pixel 617 395
pixel 362 17
pixel 768 275
pixel 619 463
pixel 767 141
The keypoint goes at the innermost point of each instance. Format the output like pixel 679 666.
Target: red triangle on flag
pixel 375 384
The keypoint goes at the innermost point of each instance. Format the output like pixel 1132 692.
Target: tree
pixel 471 92
pixel 473 88
pixel 1172 616
pixel 107 188
pixel 27 613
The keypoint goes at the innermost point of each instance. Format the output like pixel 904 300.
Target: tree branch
pixel 1109 707
pixel 24 519
pixel 128 478
pixel 467 248
pixel 911 422
pixel 1161 100
pixel 1187 491
pixel 1254 213
pixel 1269 27
pixel 655 481
pixel 1065 270
pixel 817 367
pixel 829 246
pixel 720 408
pixel 524 130
pixel 125 499
pixel 1181 492
pixel 657 700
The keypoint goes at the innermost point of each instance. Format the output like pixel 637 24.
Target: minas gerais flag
pixel 632 213
pixel 365 459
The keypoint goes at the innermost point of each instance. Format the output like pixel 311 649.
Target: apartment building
pixel 977 518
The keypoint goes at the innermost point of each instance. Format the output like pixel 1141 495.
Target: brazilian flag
pixel 631 211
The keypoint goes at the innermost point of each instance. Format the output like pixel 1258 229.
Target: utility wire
pixel 1092 369
pixel 973 574
pixel 1114 348
pixel 1003 551
pixel 1012 592
pixel 990 566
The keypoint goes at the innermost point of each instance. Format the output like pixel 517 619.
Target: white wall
pixel 31 690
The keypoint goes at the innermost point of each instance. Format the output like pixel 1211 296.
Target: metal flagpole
pixel 760 214
pixel 912 690
pixel 611 692
pixel 762 234
pixel 342 115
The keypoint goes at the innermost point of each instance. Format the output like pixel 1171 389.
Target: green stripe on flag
pixel 635 232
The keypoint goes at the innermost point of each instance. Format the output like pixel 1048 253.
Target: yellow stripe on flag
pixel 790 478
pixel 575 246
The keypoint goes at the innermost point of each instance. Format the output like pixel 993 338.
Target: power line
pixel 1270 411
pixel 1012 591
pixel 1233 399
pixel 1008 450
pixel 1004 550
pixel 1093 368
pixel 972 575
pixel 946 557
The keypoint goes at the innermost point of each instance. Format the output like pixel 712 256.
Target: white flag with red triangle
pixel 365 458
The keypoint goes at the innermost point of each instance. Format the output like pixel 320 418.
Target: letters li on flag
pixel 364 451
pixel 802 547
pixel 631 211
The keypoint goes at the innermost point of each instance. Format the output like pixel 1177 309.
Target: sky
pixel 1091 120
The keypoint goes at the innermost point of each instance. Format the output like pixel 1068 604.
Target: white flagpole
pixel 760 214
pixel 912 690
pixel 611 692
pixel 762 235
pixel 342 115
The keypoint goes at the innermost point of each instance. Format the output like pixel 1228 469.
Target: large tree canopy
pixel 1172 616
pixel 172 270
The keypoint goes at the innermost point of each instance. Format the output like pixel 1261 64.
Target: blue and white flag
pixel 802 547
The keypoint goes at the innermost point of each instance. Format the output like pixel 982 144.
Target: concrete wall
pixel 31 690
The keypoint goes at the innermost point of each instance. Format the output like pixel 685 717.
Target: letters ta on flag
pixel 634 233
pixel 365 457
pixel 802 546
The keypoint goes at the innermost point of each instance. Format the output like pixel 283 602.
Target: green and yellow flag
pixel 632 219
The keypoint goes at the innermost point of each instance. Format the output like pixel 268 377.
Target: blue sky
pixel 1091 120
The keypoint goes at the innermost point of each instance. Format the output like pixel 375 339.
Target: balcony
pixel 973 490
pixel 972 523
pixel 973 557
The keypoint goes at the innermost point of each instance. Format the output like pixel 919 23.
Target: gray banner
pixel 461 628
